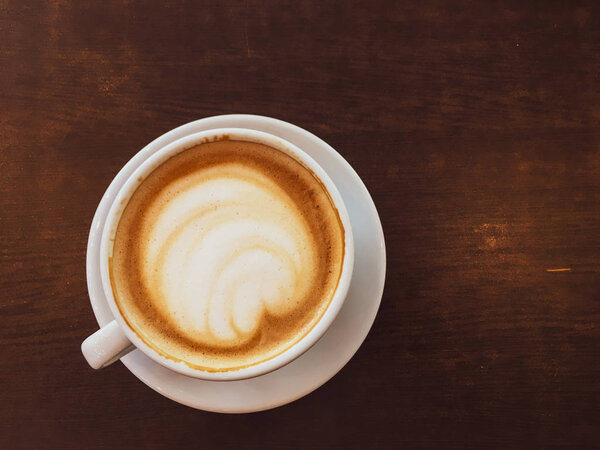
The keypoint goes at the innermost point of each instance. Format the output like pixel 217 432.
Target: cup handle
pixel 106 345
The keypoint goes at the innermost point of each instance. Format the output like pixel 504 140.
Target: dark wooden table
pixel 476 127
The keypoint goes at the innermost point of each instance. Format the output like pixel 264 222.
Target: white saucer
pixel 331 352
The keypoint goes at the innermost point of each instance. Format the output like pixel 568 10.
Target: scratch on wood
pixel 566 269
pixel 246 30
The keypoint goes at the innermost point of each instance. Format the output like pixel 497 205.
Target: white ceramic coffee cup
pixel 116 339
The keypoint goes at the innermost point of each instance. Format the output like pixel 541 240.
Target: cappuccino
pixel 226 255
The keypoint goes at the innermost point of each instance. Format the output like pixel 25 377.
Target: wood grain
pixel 475 125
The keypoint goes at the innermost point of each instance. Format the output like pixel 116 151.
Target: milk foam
pixel 226 255
pixel 224 247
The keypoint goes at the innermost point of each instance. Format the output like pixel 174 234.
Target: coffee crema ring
pixel 226 255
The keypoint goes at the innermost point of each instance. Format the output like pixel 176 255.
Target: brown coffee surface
pixel 226 255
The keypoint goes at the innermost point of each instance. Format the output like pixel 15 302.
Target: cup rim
pixel 122 198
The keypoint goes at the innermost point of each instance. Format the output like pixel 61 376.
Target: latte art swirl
pixel 219 262
pixel 226 255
